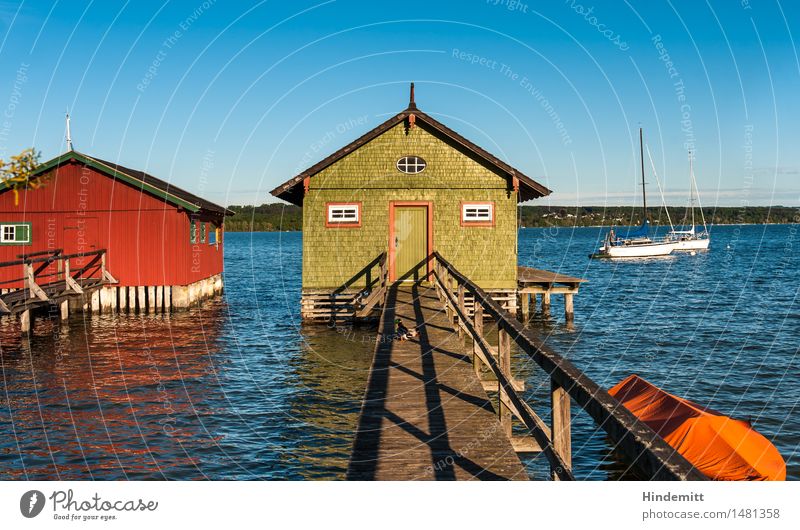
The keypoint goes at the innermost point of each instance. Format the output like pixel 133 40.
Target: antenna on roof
pixel 411 103
pixel 69 135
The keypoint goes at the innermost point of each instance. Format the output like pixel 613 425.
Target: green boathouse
pixel 376 209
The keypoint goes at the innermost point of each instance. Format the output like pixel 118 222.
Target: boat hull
pixel 646 250
pixel 693 244
pixel 721 447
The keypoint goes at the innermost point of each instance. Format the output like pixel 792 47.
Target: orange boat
pixel 721 447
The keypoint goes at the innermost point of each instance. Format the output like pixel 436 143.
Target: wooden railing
pixel 378 287
pixel 640 445
pixel 36 278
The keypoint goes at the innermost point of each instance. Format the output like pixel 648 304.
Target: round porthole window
pixel 411 165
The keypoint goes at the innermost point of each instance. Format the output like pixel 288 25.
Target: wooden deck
pixel 529 277
pixel 533 282
pixel 425 414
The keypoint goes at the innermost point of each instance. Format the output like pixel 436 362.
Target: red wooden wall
pixel 80 209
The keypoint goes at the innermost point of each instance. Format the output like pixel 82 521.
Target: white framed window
pixel 477 213
pixel 344 214
pixel 15 233
pixel 411 165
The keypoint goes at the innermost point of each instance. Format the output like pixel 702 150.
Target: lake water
pixel 237 389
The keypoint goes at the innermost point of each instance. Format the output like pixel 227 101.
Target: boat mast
pixel 691 187
pixel 641 156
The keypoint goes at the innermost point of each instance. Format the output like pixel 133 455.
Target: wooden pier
pixel 59 285
pixel 426 415
pixel 536 282
pixel 81 282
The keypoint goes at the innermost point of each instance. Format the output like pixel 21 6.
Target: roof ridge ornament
pixel 411 103
pixel 69 134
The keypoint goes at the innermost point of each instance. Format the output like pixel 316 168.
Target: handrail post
pixel 504 356
pixel 477 323
pixel 462 308
pixel 560 424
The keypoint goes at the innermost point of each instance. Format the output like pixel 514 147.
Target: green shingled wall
pixel 331 256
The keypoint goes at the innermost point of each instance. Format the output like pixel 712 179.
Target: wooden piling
pixel 25 321
pixel 525 301
pixel 560 424
pixel 568 309
pixel 504 355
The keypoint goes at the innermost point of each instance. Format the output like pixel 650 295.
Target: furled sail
pixel 635 233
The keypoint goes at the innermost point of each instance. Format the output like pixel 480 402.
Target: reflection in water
pixel 112 397
pixel 234 389
pixel 237 389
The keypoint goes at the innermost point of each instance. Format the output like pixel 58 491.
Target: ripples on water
pixel 237 389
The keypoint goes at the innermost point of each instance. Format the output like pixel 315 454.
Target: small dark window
pixel 411 165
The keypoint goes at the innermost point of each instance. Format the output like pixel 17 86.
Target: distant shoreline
pixel 276 217
pixel 520 228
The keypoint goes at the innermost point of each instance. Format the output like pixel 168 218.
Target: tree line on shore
pixel 285 217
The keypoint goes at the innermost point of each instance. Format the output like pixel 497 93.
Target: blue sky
pixel 228 100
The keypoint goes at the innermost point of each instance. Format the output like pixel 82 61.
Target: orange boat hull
pixel 721 447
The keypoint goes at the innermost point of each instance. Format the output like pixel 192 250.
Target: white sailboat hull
pixel 693 244
pixel 645 250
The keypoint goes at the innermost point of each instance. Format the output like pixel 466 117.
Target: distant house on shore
pixel 406 188
pixel 162 245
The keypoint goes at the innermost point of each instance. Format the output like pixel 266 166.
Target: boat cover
pixel 719 446
pixel 635 233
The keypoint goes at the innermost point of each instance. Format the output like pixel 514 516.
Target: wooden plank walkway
pixel 425 414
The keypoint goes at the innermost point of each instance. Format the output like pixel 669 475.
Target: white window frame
pixel 4 240
pixel 344 214
pixel 475 212
pixel 406 163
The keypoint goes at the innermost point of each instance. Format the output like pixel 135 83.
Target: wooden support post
pixel 158 306
pixel 504 354
pixel 525 302
pixel 151 299
pixel 546 303
pixel 25 321
pixel 568 311
pixel 141 305
pixel 477 321
pixel 64 307
pixel 95 301
pixel 560 425
pixel 462 308
pixel 180 297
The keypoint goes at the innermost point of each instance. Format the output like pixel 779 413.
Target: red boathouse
pixel 159 246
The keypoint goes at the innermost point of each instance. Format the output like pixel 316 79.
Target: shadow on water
pixel 237 389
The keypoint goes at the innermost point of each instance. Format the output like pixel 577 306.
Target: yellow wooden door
pixel 410 242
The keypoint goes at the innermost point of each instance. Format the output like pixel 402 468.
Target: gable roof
pixel 137 179
pixel 292 190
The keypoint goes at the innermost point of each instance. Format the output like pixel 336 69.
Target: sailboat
pixel 691 239
pixel 636 243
